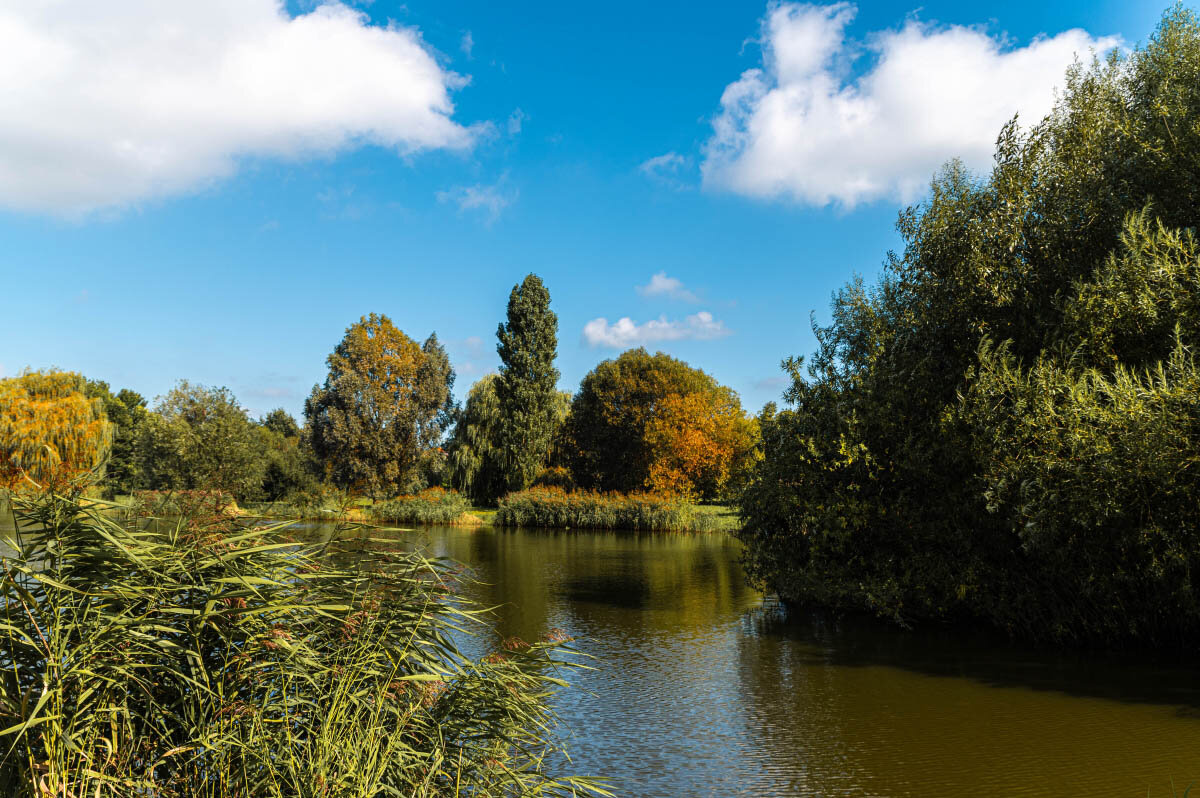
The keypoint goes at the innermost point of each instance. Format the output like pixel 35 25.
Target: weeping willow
pixel 50 432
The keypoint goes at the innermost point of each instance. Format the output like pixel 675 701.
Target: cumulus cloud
pixel 662 285
pixel 106 104
pixel 625 333
pixel 799 128
pixel 490 200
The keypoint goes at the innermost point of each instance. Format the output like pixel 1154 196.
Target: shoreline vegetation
pixel 542 508
pixel 204 655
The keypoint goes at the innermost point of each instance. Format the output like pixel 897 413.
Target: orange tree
pixel 50 431
pixel 651 421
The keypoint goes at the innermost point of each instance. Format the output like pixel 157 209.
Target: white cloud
pixel 669 163
pixel 490 199
pixel 106 104
pixel 662 285
pixel 515 120
pixel 626 333
pixel 467 45
pixel 797 128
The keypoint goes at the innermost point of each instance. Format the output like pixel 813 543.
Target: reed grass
pixel 430 506
pixel 204 657
pixel 554 507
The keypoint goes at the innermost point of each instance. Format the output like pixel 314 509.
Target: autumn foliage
pixel 50 431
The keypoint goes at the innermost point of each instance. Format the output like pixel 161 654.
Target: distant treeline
pixel 384 423
pixel 1006 427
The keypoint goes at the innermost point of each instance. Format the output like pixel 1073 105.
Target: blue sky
pixel 214 191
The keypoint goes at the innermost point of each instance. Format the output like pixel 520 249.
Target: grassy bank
pixel 559 509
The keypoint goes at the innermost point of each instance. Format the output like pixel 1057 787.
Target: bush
pixel 556 508
pixel 204 658
pixel 430 506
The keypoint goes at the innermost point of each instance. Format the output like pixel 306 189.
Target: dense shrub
pixel 556 508
pixel 430 506
pixel 202 658
pixel 1003 428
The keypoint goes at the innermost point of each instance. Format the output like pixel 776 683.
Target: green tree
pixel 476 468
pixel 200 438
pixel 385 402
pixel 525 390
pixel 926 444
pixel 127 412
pixel 288 466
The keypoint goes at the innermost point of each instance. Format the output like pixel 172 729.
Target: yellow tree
pixel 696 440
pixel 50 431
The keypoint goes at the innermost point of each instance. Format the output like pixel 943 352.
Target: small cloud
pixel 666 169
pixel 776 383
pixel 662 285
pixel 467 44
pixel 489 199
pixel 474 346
pixel 514 121
pixel 269 226
pixel 625 333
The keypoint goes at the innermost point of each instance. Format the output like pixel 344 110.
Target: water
pixel 705 690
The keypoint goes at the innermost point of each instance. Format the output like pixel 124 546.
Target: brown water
pixel 703 690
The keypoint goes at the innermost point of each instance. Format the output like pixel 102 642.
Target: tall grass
pixel 200 657
pixel 556 508
pixel 430 506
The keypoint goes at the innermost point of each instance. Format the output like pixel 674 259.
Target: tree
pixel 288 466
pixel 51 431
pixel 998 429
pixel 526 388
pixel 385 402
pixel 200 438
pixel 127 412
pixel 475 465
pixel 652 421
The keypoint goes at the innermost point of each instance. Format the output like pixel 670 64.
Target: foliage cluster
pixel 385 402
pixel 644 421
pixel 1004 427
pixel 200 658
pixel 51 431
pixel 560 509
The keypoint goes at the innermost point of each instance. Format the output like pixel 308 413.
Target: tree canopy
pixel 1001 427
pixel 650 421
pixel 384 403
pixel 51 431
pixel 200 438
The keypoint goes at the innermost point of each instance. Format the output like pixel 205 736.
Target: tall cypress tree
pixel 526 387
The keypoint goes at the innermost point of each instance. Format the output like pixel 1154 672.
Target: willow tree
pixel 526 389
pixel 385 402
pixel 51 432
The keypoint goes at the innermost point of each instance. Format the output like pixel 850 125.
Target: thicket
pixel 430 506
pixel 1004 428
pixel 197 657
pixel 559 509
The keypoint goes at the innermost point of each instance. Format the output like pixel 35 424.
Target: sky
pixel 214 191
